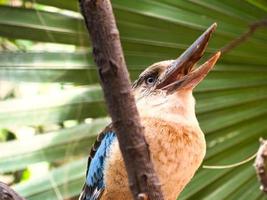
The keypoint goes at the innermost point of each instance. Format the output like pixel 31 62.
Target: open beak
pixel 172 80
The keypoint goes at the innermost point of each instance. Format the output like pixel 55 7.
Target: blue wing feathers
pixel 94 185
pixel 95 171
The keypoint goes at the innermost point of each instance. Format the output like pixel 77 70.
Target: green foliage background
pixel 45 46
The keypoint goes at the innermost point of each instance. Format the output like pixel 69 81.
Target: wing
pixel 94 184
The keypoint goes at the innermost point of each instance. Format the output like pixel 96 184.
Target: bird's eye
pixel 150 80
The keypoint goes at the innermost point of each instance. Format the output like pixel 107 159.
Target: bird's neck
pixel 186 108
pixel 178 108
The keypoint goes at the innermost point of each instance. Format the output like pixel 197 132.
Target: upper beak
pixel 184 64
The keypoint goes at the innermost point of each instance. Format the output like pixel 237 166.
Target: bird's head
pixel 165 88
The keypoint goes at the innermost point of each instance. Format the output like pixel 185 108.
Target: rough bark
pixel 261 165
pixel 6 193
pixel 114 78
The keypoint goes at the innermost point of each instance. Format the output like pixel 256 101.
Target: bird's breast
pixel 177 151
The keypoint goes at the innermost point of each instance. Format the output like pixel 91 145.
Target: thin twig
pixel 242 38
pixel 250 158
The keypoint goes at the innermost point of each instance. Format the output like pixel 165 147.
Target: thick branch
pixel 6 193
pixel 115 81
pixel 242 38
pixel 261 165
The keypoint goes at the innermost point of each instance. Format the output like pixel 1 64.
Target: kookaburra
pixel 165 103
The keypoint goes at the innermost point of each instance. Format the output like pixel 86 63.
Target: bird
pixel 164 99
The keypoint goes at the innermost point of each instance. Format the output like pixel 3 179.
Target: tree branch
pixel 261 165
pixel 115 82
pixel 6 193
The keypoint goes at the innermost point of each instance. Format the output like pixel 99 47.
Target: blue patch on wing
pixel 94 177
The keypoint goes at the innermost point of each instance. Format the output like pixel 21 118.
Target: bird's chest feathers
pixel 174 145
pixel 176 149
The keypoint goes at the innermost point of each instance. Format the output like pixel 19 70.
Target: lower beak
pixel 184 64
